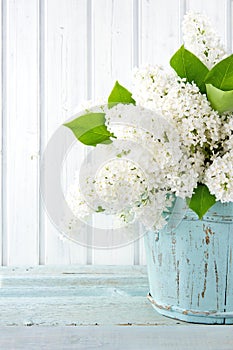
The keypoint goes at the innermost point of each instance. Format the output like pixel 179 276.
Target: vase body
pixel 190 268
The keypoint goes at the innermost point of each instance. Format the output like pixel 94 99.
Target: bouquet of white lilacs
pixel 171 137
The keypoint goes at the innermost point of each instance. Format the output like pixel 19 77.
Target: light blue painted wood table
pixel 92 307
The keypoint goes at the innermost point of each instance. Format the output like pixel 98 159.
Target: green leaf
pixel 221 101
pixel 221 75
pixel 90 129
pixel 120 94
pixel 201 200
pixel 188 66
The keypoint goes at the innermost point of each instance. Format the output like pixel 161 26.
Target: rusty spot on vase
pixel 204 287
pixel 178 280
pixel 208 233
pixel 216 279
pixel 177 309
pixel 191 294
pixel 199 313
pixel 174 250
pixel 156 236
pixel 162 307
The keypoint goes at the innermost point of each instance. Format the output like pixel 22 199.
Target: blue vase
pixel 190 268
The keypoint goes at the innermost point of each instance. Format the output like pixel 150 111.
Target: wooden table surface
pixel 92 307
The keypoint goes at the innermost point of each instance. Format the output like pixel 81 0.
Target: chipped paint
pixel 174 249
pixel 205 278
pixel 179 310
pixel 217 279
pixel 208 232
pixel 195 276
pixel 191 294
pixel 159 306
pixel 178 280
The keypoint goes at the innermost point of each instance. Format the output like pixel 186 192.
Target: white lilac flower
pixel 182 105
pixel 227 132
pixel 167 144
pixel 155 82
pixel 120 182
pixel 219 177
pixel 184 178
pixel 201 39
pixel 131 182
pixel 147 128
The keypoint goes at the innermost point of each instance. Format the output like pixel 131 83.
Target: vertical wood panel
pixel 2 26
pixel 113 58
pixel 42 104
pixel 65 86
pixel 21 133
pixel 139 250
pixel 229 22
pixel 112 45
pixel 159 31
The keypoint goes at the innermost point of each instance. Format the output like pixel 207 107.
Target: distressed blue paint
pixel 190 269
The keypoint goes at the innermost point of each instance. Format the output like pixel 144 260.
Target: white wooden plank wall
pixel 20 132
pixel 55 55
